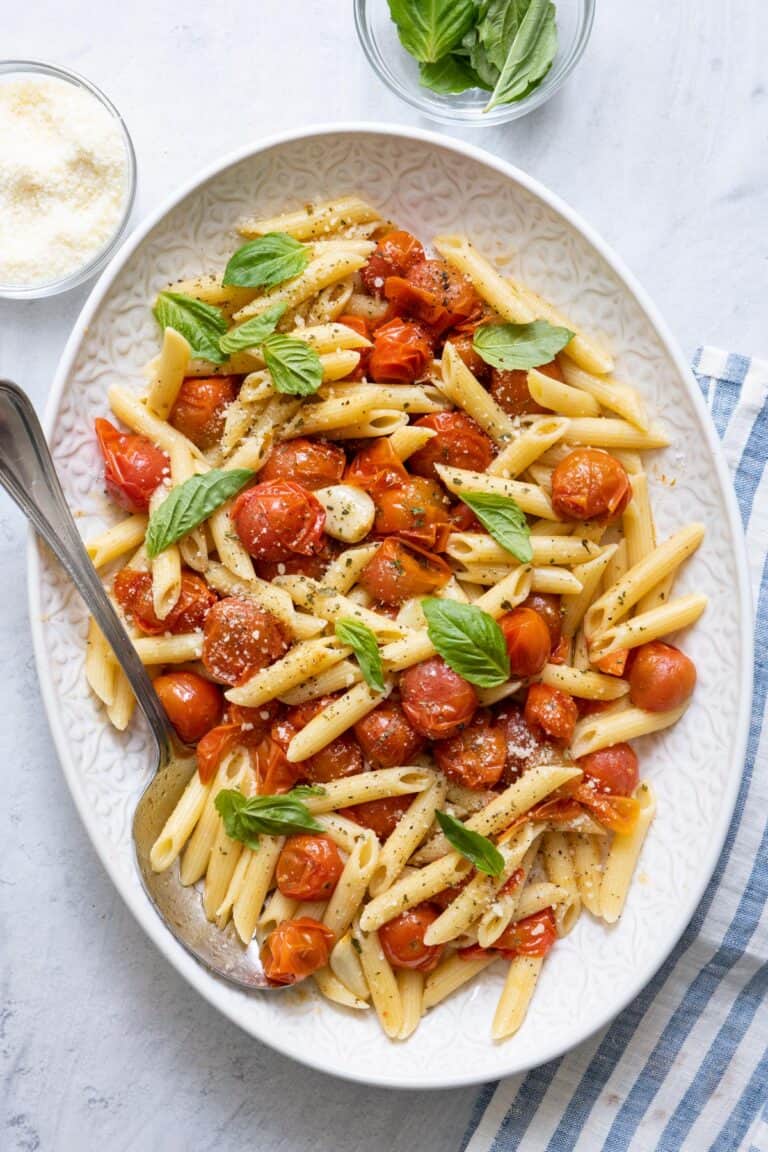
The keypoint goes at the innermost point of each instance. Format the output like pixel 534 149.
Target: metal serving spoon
pixel 28 475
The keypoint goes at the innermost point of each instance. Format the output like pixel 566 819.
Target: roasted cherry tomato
pixel 533 936
pixel 528 640
pixel 524 746
pixel 394 254
pixel 398 572
pixel 402 352
pixel 437 701
pixel 193 705
pixel 447 895
pixel 475 756
pixel 311 463
pixel 245 726
pixel 417 510
pixel 133 466
pixel 464 519
pixel 360 325
pixel 296 949
pixel 661 677
pixel 552 711
pixel 200 408
pixel 402 939
pixel 381 816
pixel 459 442
pixel 434 294
pixel 296 565
pixel 376 466
pixel 548 607
pixel 464 343
pixel 387 738
pixel 239 639
pixel 133 592
pixel 273 770
pixel 213 747
pixel 279 519
pixel 590 484
pixel 342 757
pixel 614 769
pixel 308 867
pixel 510 389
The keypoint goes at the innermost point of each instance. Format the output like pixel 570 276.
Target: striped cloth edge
pixel 685 1067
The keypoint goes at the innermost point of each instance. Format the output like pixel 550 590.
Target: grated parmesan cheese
pixel 63 178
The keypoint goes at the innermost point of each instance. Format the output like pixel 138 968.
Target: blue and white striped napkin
pixel 686 1065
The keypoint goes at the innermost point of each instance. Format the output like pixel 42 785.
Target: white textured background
pixel 660 141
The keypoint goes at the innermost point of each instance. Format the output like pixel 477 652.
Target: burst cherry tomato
pixel 308 867
pixel 417 509
pixel 533 936
pixel 402 352
pixel 296 565
pixel 245 726
pixel 548 607
pixel 133 466
pixel 394 254
pixel 434 294
pixel 510 389
pixel 459 442
pixel 436 700
pixel 381 816
pixel 552 711
pixel 201 408
pixel 376 466
pixel 239 639
pixel 311 463
pixel 273 771
pixel 342 757
pixel 474 757
pixel 402 939
pixel 398 572
pixel 279 519
pixel 296 949
pixel 590 484
pixel 614 769
pixel 133 592
pixel 528 640
pixel 524 746
pixel 661 677
pixel 387 738
pixel 193 705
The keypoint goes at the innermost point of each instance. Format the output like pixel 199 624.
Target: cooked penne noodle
pixel 100 665
pixel 452 974
pixel 256 881
pixel 335 679
pixel 198 850
pixel 305 659
pixel 114 542
pixel 529 497
pixel 587 865
pixel 311 223
pixel 276 909
pixel 334 719
pixel 374 785
pixel 348 894
pixel 606 728
pixel 408 834
pixel 274 599
pixel 560 398
pixel 623 856
pixel 168 374
pixel 641 629
pixel 320 272
pixel 410 984
pixel 587 685
pixel 180 824
pixel 346 967
pixel 178 649
pixel 416 399
pixel 408 439
pixel 378 422
pixel 532 442
pixel 616 603
pixel 609 393
pixel 465 391
pixel 385 994
pixel 231 552
pixel 342 573
pixel 318 599
pixel 639 531
pixel 522 976
pixel 606 432
pixel 558 863
pixel 477 548
pixel 130 409
pixel 335 991
pixel 123 704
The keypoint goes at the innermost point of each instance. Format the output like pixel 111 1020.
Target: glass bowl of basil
pixel 474 62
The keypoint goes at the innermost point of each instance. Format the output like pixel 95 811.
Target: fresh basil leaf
pixel 302 790
pixel 476 848
pixel 504 519
pixel 248 817
pixel 530 55
pixel 478 59
pixel 192 502
pixel 430 28
pixel 199 323
pixel 366 649
pixel 295 368
pixel 266 261
pixel 469 640
pixel 520 346
pixel 498 25
pixel 253 331
pixel 450 75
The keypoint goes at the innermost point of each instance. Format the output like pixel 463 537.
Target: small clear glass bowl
pixel 96 262
pixel 400 72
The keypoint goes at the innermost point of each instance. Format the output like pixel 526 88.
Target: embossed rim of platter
pixel 198 977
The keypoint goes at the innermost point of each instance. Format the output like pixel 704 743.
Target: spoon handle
pixel 28 475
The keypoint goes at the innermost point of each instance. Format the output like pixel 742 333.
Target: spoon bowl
pixel 28 475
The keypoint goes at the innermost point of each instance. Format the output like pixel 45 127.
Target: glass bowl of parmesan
pixel 67 179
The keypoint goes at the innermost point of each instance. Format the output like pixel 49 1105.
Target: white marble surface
pixel 660 141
